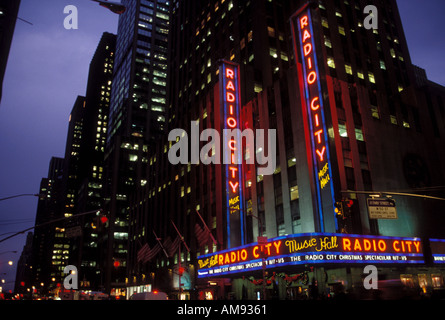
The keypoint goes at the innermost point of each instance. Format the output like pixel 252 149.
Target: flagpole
pixel 179 270
pixel 207 228
pixel 180 236
pixel 162 247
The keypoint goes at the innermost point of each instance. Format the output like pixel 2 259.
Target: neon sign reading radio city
pixel 314 106
pixel 230 103
pixel 232 114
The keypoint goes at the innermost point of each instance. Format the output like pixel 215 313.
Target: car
pixel 154 295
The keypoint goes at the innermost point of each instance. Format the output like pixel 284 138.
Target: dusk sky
pixel 48 68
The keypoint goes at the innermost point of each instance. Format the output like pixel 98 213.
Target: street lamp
pixel 8 252
pixel 41 196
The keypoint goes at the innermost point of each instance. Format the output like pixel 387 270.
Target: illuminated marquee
pixel 314 105
pixel 230 102
pixel 312 248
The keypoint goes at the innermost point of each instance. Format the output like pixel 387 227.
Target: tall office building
pixel 351 115
pixel 137 117
pixel 75 185
pixel 50 252
pixel 89 172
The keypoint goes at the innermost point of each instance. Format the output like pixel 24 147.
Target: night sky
pixel 48 68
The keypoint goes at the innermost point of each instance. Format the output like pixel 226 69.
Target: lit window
pixel 359 134
pixel 327 42
pixel 371 77
pixel 393 119
pixel 273 52
pixel 375 112
pixel 342 130
pixel 331 63
pixel 294 194
pixel 393 53
pixel 341 30
pixel 382 65
pixel 324 22
pixel 348 69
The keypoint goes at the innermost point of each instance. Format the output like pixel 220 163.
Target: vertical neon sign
pixel 303 35
pixel 230 102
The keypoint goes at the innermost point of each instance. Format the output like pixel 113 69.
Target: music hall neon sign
pixel 311 248
pixel 230 103
pixel 304 36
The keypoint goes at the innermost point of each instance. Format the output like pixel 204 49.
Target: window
pixel 294 194
pixel 342 130
pixel 327 42
pixel 382 65
pixel 348 69
pixel 341 30
pixel 331 63
pixel 393 119
pixel 324 22
pixel 359 134
pixel 375 112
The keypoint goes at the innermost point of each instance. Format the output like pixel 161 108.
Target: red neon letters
pixel 232 121
pixel 380 245
pixel 311 79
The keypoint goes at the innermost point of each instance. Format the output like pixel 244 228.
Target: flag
pixel 142 252
pixel 206 228
pixel 170 246
pixel 145 254
pixel 152 253
pixel 201 235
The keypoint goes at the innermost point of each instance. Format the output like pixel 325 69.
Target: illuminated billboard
pixel 230 102
pixel 315 108
pixel 311 248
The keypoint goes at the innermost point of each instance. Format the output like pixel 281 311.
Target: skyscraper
pixel 50 250
pixel 137 118
pixel 89 171
pixel 75 185
pixel 365 126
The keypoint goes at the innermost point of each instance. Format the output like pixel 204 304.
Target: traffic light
pixel 99 221
pixel 341 217
pixel 181 271
pixel 338 209
pixel 347 207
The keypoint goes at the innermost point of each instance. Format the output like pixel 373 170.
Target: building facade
pixel 136 119
pixel 381 130
pixel 50 251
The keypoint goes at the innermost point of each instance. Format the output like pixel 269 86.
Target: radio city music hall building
pixel 352 117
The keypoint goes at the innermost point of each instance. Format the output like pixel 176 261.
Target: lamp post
pixel 41 196
pixel 261 241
